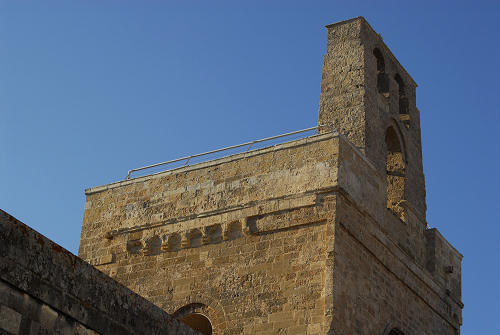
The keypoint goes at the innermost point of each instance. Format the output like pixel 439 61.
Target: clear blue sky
pixel 90 89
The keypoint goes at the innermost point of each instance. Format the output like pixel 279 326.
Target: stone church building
pixel 325 234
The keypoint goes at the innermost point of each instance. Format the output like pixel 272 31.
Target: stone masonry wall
pixel 378 287
pixel 262 243
pixel 351 102
pixel 45 289
pixel 243 240
pixel 181 200
pixel 379 258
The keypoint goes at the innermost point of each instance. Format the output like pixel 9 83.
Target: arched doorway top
pixel 200 317
pixel 198 322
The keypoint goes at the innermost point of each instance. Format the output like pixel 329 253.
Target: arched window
pixel 382 82
pixel 198 322
pixel 396 172
pixel 403 99
pixel 194 315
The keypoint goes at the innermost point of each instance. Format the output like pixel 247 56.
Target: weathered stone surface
pixel 10 320
pixel 44 289
pixel 352 102
pixel 246 236
pixel 293 248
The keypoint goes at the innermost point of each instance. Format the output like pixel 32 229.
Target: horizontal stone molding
pixel 204 219
pixel 294 213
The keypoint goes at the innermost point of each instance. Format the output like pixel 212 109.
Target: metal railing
pixel 248 144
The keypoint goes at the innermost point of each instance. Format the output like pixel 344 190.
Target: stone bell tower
pixel 369 98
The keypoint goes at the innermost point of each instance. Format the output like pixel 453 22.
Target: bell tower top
pixel 370 98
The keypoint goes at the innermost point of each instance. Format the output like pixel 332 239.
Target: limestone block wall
pixel 365 185
pixel 385 270
pixel 290 239
pixel 182 200
pixel 270 279
pixel 379 287
pixel 44 289
pixel 244 240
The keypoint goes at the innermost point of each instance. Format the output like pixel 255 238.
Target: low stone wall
pixel 44 289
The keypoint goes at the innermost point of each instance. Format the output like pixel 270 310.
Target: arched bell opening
pixel 402 96
pixel 396 173
pixel 382 79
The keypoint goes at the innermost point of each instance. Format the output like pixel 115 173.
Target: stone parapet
pixel 44 289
